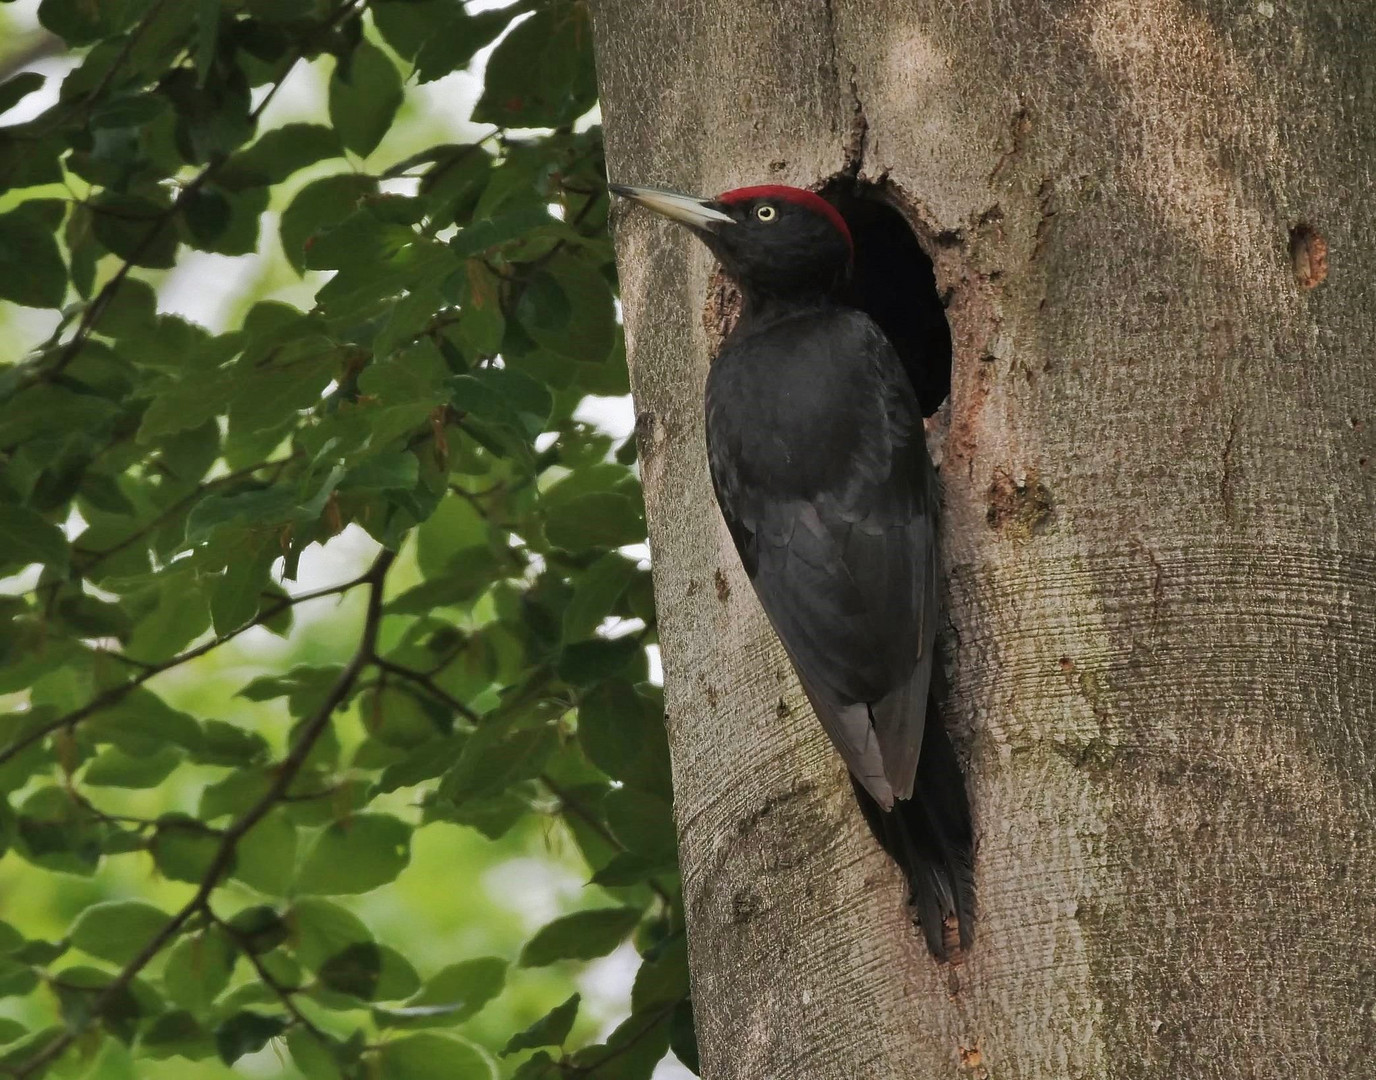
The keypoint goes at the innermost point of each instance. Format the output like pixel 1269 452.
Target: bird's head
pixel 773 240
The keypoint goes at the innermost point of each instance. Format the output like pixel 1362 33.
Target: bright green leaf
pixel 451 996
pixel 550 1030
pixel 356 855
pixel 117 930
pixel 266 857
pixel 198 969
pixel 369 972
pixel 581 936
pixel 114 768
pixel 321 929
pixel 428 1056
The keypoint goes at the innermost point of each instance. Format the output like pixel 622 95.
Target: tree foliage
pixel 167 480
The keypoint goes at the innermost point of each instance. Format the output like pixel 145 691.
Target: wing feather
pixel 834 515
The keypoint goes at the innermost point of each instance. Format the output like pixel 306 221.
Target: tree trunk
pixel 1152 218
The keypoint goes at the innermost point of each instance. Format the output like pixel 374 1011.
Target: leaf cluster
pixel 161 483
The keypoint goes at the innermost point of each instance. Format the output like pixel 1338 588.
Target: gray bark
pixel 1154 221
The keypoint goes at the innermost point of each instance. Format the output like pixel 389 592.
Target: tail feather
pixel 931 839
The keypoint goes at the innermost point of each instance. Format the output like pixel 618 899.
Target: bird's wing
pixel 844 563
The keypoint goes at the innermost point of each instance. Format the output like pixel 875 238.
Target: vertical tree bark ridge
pixel 1158 540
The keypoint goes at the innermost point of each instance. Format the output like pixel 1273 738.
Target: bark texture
pixel 1153 220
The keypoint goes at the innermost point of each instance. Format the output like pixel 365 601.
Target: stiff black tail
pixel 931 839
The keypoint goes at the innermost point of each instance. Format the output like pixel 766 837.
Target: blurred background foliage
pixel 331 743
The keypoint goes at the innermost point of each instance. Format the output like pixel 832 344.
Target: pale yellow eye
pixel 766 212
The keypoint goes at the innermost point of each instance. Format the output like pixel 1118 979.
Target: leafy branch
pixel 116 694
pixel 220 864
pixel 188 191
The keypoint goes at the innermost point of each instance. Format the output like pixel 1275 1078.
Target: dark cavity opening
pixel 895 284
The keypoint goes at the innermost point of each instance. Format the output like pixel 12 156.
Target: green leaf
pixel 643 823
pixel 32 272
pixel 176 1034
pixel 541 75
pixel 452 45
pixel 117 930
pixel 207 34
pixel 266 857
pixel 586 662
pixel 454 526
pixel 80 22
pixel 142 722
pixel 493 760
pixel 383 472
pixel 369 972
pixel 26 538
pixel 453 995
pixel 581 936
pixel 356 855
pixel 365 93
pixel 663 976
pixel 246 1033
pixel 321 929
pixel 320 204
pixel 406 25
pixel 266 396
pixel 428 1056
pixel 137 228
pixel 224 222
pixel 316 1060
pixel 569 311
pixel 114 768
pixel 623 735
pixel 259 930
pixel 132 306
pixel 10 1030
pixel 16 89
pixel 631 1052
pixel 277 155
pixel 595 593
pixel 237 594
pixel 491 232
pixel 601 519
pixel 683 1039
pixel 53 830
pixel 198 969
pixel 183 849
pixel 228 744
pixel 550 1030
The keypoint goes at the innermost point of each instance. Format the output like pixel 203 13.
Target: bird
pixel 818 459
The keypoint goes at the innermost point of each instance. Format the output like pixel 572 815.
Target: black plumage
pixel 819 462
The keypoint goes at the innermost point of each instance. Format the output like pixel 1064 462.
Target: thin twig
pixel 284 994
pixel 116 694
pixel 592 821
pixel 424 681
pixel 97 557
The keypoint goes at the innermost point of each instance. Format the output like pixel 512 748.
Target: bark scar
pixel 1020 125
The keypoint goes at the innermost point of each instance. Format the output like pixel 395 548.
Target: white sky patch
pixel 614 415
pixel 205 287
pixel 536 889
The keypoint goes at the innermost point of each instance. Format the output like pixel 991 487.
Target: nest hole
pixel 894 282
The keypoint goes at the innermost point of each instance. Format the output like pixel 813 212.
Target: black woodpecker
pixel 819 461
